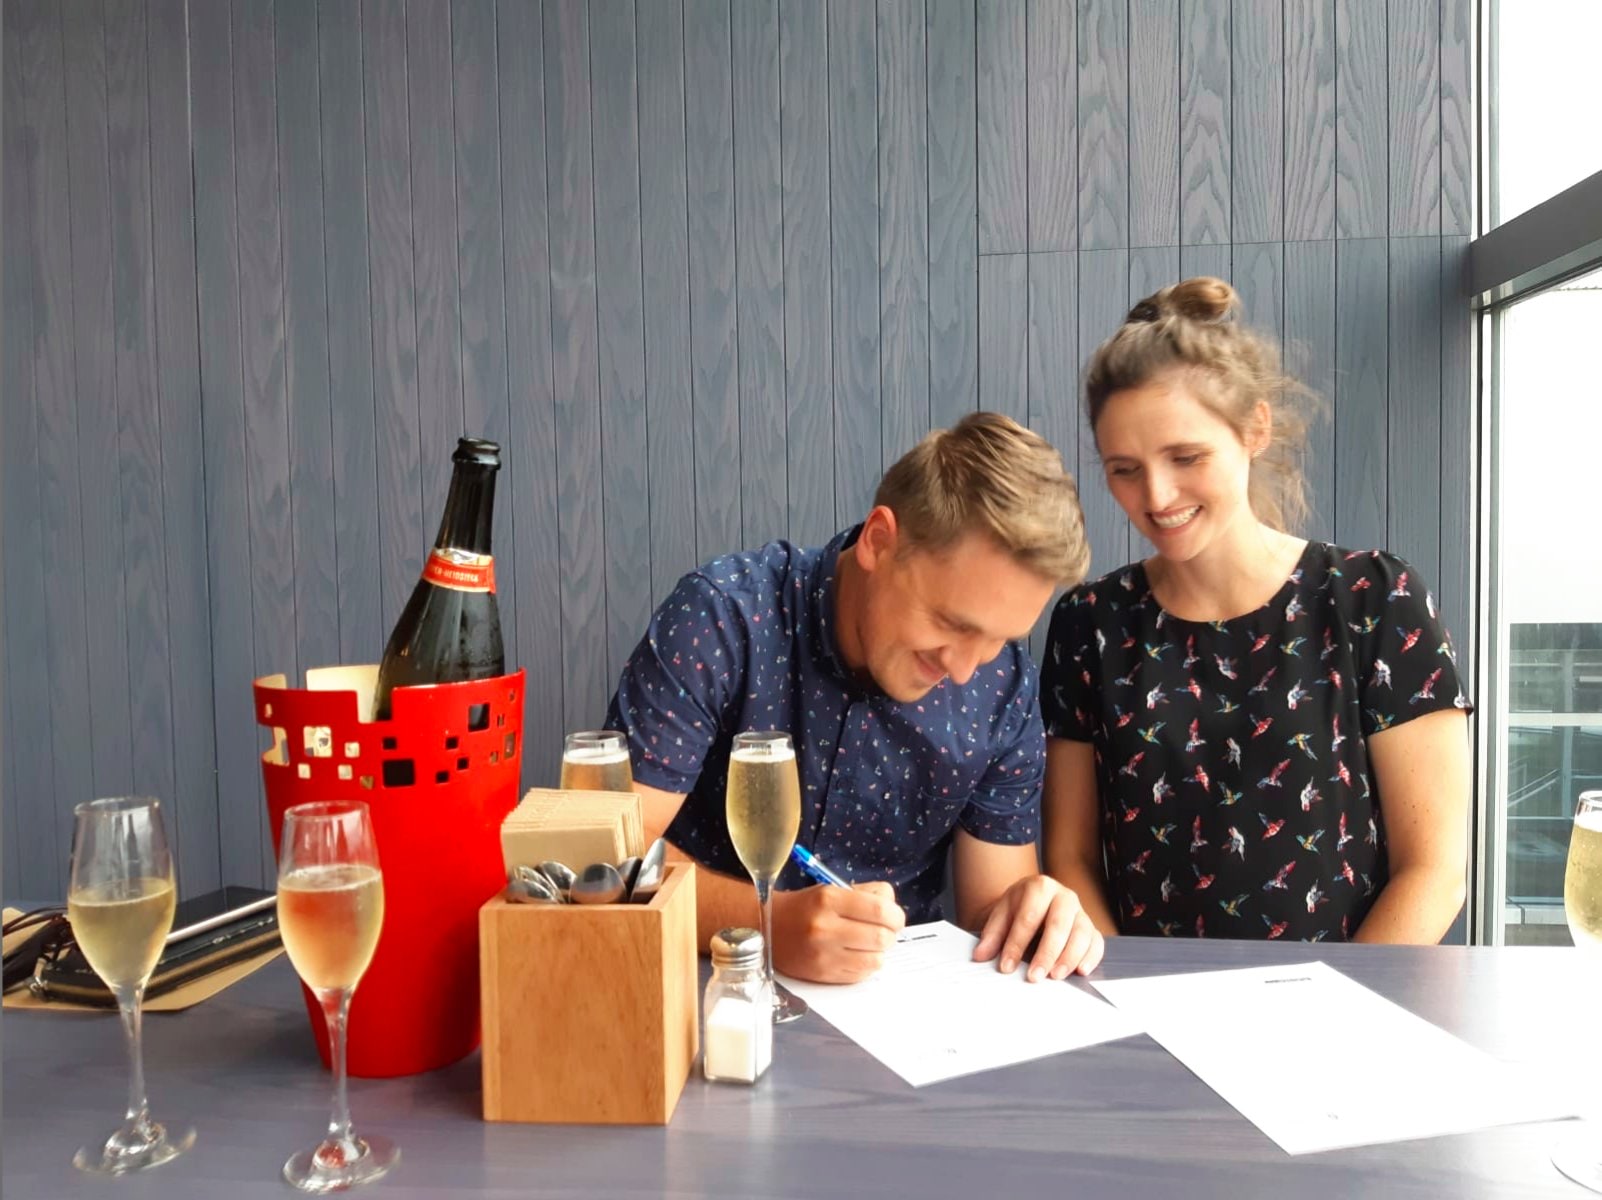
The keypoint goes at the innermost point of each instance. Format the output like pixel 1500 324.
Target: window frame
pixel 1554 241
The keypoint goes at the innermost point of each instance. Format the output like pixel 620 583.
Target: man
pixel 893 657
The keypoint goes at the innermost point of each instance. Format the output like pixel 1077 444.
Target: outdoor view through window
pixel 1551 591
pixel 1548 574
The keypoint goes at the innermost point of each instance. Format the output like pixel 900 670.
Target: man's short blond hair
pixel 989 474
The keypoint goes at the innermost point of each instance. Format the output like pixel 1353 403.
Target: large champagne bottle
pixel 450 630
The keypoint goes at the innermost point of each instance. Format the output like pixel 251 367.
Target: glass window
pixel 1547 92
pixel 1549 592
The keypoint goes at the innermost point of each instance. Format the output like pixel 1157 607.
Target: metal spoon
pixel 599 883
pixel 528 885
pixel 649 878
pixel 535 881
pixel 629 869
pixel 561 876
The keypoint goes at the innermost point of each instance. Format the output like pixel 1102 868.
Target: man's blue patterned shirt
pixel 747 643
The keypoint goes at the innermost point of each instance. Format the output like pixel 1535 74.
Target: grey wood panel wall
pixel 703 266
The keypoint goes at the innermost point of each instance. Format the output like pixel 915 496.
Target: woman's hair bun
pixel 1204 299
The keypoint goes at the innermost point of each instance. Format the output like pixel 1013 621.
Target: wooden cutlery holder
pixel 589 1011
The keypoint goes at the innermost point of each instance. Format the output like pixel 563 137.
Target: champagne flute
pixel 120 902
pixel 1578 1153
pixel 763 803
pixel 330 910
pixel 597 760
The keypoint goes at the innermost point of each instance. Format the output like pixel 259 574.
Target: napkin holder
pixel 573 827
pixel 589 1011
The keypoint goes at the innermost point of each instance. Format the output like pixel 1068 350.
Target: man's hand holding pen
pixel 836 933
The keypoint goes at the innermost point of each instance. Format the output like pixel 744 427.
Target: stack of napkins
pixel 572 827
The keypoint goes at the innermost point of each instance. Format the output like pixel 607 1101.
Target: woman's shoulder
pixel 1367 578
pixel 1114 590
pixel 1364 562
pixel 1095 610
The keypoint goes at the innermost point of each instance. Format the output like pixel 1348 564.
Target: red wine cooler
pixel 439 777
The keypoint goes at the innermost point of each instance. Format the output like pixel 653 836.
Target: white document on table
pixel 933 1013
pixel 1317 1061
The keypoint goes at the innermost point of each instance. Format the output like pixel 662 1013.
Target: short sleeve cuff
pixel 1069 733
pixel 1413 712
pixel 654 774
pixel 1014 829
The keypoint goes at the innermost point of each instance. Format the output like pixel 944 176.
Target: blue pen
pixel 814 867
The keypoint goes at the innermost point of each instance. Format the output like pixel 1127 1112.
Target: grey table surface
pixel 1122 1119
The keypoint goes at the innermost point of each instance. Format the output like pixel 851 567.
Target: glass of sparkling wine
pixel 764 812
pixel 1578 1153
pixel 330 909
pixel 596 761
pixel 120 901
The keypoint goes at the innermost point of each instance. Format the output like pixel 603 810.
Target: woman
pixel 1252 735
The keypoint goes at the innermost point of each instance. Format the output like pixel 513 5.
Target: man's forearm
pixel 721 901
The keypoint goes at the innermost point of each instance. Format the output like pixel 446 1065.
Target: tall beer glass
pixel 764 812
pixel 1578 1153
pixel 597 761
pixel 330 910
pixel 120 901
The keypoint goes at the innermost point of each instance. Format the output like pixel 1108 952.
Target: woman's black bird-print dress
pixel 1231 756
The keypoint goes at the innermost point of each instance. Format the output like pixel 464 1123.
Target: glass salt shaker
pixel 738 1042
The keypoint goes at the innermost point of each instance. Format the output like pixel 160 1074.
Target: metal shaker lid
pixel 740 946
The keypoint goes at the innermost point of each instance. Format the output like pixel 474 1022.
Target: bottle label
pixel 460 570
